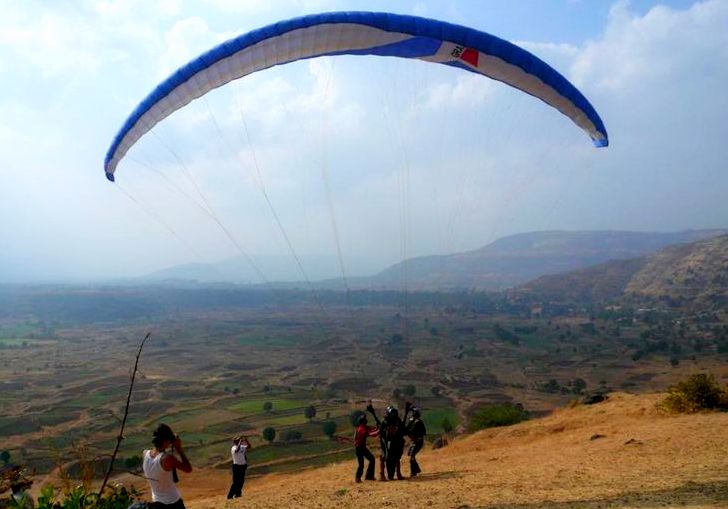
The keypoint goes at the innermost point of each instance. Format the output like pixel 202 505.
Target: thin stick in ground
pixel 120 437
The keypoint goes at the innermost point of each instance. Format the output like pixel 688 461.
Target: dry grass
pixel 644 459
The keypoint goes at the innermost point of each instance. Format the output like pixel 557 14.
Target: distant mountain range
pixel 694 274
pixel 505 263
pixel 516 259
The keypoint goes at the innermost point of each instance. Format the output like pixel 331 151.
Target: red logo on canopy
pixel 470 56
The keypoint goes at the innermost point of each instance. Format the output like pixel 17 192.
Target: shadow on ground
pixel 436 476
pixel 710 494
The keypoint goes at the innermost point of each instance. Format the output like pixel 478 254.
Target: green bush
pixel 269 434
pixel 699 392
pixel 329 428
pixel 491 416
pixel 114 497
pixel 292 435
pixel 446 425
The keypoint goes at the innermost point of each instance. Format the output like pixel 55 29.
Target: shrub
pixel 491 416
pixel 267 406
pixel 133 463
pixel 446 425
pixel 269 434
pixel 292 435
pixel 114 497
pixel 699 392
pixel 329 428
pixel 310 412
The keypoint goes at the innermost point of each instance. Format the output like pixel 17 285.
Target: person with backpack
pixel 239 452
pixel 416 431
pixel 160 464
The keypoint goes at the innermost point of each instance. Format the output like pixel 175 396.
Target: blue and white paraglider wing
pixel 357 33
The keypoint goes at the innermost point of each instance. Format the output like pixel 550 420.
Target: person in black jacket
pixel 393 433
pixel 416 431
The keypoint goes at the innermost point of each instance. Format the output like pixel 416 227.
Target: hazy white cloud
pixel 468 158
pixel 664 44
pixel 466 91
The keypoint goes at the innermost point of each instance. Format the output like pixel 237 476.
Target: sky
pixel 344 165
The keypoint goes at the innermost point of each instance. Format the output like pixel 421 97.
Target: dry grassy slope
pixel 693 274
pixel 696 272
pixel 644 459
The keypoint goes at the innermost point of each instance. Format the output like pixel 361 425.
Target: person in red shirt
pixel 362 451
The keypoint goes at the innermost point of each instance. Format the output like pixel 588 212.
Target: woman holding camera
pixel 160 465
pixel 239 452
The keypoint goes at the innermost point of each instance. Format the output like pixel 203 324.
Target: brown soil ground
pixel 621 453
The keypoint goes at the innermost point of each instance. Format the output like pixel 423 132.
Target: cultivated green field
pixel 208 370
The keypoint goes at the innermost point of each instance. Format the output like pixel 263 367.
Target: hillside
pixel 694 274
pixel 620 453
pixel 516 259
pixel 505 263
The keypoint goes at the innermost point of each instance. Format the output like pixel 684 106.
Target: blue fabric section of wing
pixel 427 35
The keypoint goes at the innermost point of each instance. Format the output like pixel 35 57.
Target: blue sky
pixel 396 158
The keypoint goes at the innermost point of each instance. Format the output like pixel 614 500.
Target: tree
pixel 309 412
pixel 579 385
pixel 269 434
pixel 5 457
pixel 329 429
pixel 267 406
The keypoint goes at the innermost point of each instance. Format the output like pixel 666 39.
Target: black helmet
pixel 392 412
pixel 416 412
pixel 362 419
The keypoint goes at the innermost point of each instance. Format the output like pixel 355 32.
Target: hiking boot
pixel 357 480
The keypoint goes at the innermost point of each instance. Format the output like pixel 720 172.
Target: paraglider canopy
pixel 357 33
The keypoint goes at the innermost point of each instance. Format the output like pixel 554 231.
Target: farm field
pixel 214 371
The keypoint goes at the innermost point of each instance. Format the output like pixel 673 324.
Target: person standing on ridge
pixel 416 431
pixel 159 467
pixel 382 442
pixel 239 451
pixel 362 451
pixel 394 433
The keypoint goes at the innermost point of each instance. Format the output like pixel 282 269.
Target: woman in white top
pixel 159 465
pixel 239 451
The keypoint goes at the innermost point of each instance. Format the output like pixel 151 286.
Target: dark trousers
pixel 394 455
pixel 236 489
pixel 361 453
pixel 412 452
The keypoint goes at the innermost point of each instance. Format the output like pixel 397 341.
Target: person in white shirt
pixel 239 451
pixel 159 465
